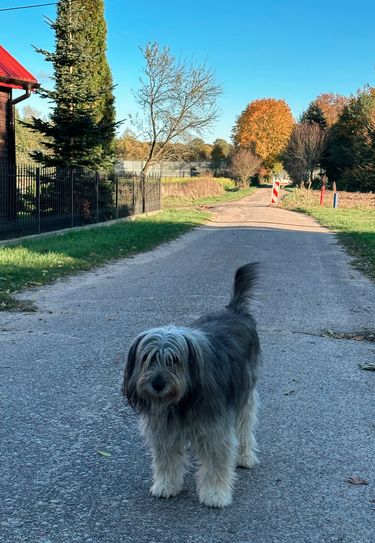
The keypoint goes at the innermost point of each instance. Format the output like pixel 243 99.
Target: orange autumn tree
pixel 264 127
pixel 331 105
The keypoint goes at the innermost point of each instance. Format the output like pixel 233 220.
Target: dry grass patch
pixel 196 187
pixel 346 200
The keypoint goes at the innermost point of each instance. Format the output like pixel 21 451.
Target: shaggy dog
pixel 195 386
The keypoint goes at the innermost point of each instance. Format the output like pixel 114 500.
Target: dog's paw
pixel 247 461
pixel 213 497
pixel 165 489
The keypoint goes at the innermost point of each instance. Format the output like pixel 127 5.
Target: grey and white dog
pixel 195 387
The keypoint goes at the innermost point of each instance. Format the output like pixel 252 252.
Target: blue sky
pixel 257 48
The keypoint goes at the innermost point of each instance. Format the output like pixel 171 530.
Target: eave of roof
pixel 13 74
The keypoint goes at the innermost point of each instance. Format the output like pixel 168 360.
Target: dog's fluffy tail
pixel 244 282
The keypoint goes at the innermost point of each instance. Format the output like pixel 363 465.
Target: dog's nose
pixel 158 383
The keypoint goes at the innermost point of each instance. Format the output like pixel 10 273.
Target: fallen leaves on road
pixel 357 481
pixel 369 366
pixel 104 454
pixel 365 335
pixel 289 393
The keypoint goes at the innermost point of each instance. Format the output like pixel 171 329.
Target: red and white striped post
pixel 275 191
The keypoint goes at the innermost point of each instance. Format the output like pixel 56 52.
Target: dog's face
pixel 162 368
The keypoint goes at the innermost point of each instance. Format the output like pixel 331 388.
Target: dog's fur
pixel 196 386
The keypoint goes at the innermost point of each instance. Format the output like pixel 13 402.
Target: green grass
pixel 41 260
pixel 355 228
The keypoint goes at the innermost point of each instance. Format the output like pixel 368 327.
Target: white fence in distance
pixel 164 169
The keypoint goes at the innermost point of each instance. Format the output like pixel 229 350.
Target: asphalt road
pixel 73 467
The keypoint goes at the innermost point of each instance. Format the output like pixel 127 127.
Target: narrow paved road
pixel 72 465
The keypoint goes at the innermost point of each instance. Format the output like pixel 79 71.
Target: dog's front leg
pixel 217 456
pixel 168 462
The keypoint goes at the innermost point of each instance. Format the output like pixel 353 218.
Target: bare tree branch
pixel 177 99
pixel 304 151
pixel 244 164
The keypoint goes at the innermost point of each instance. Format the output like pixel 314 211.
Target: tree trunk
pixel 311 178
pixel 146 167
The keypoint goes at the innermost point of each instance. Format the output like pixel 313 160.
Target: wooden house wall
pixel 4 151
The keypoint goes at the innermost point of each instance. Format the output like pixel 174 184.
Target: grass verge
pixel 355 228
pixel 41 260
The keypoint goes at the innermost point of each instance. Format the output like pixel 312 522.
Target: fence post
pixel 116 179
pixel 71 197
pixel 134 182
pixel 97 195
pixel 37 181
pixel 143 192
pixel 159 193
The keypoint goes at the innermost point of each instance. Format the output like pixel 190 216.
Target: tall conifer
pixel 314 115
pixel 82 123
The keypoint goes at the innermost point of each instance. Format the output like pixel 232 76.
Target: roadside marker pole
pixel 322 193
pixel 336 200
pixel 275 191
pixel 335 196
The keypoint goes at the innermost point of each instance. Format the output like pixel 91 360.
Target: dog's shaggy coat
pixel 195 386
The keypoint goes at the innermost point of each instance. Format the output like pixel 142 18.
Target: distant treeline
pixel 332 142
pixel 128 147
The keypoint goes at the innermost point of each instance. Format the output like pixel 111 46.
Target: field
pixel 183 192
pixel 346 200
pixel 180 192
pixel 353 220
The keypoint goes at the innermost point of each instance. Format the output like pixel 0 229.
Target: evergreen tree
pixel 349 159
pixel 98 73
pixel 80 130
pixel 314 114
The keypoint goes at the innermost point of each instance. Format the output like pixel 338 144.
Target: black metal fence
pixel 37 199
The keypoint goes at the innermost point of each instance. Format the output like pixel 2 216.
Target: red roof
pixel 13 74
